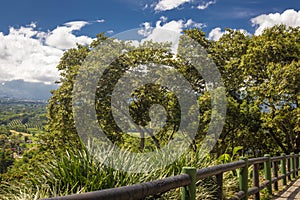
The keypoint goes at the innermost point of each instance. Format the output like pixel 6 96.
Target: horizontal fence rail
pixel 284 167
pixel 136 191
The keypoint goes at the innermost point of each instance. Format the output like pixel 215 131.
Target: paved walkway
pixel 292 192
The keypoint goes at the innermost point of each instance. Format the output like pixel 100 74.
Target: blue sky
pixel 34 33
pixel 120 15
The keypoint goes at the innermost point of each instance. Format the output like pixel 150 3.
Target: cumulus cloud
pixel 32 55
pixel 217 33
pixel 289 17
pixel 146 29
pixel 174 25
pixel 63 38
pixel 164 5
pixel 159 33
pixel 205 5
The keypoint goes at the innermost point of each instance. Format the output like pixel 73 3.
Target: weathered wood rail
pixel 275 168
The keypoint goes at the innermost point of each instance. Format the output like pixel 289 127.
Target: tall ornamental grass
pixel 78 171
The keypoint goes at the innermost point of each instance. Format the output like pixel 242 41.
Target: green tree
pixel 61 126
pixel 242 124
pixel 271 78
pixel 6 160
pixel 61 131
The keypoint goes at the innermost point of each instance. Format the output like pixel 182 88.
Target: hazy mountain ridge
pixel 21 89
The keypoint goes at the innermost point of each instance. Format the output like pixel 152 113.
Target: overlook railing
pixel 275 168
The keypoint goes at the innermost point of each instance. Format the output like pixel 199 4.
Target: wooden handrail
pixel 142 190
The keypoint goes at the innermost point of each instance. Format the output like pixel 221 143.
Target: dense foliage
pixel 261 75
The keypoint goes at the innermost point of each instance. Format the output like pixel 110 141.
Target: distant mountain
pixel 21 89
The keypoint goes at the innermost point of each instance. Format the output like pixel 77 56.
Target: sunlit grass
pixel 78 171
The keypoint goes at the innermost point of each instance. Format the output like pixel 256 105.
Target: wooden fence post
pixel 268 175
pixel 243 178
pixel 275 174
pixel 298 162
pixel 189 192
pixel 289 168
pixel 256 180
pixel 283 168
pixel 293 165
pixel 219 178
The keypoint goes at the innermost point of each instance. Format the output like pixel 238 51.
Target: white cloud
pixel 289 17
pixel 163 18
pixel 159 33
pixel 76 25
pixel 216 33
pixel 110 32
pixel 63 38
pixel 205 5
pixel 176 26
pixel 164 5
pixel 145 6
pixel 25 57
pixel 100 20
pixel 32 55
pixel 146 29
pixel 191 23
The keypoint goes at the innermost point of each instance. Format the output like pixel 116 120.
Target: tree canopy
pixel 260 73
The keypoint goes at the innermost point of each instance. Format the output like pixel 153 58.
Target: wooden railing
pixel 275 168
